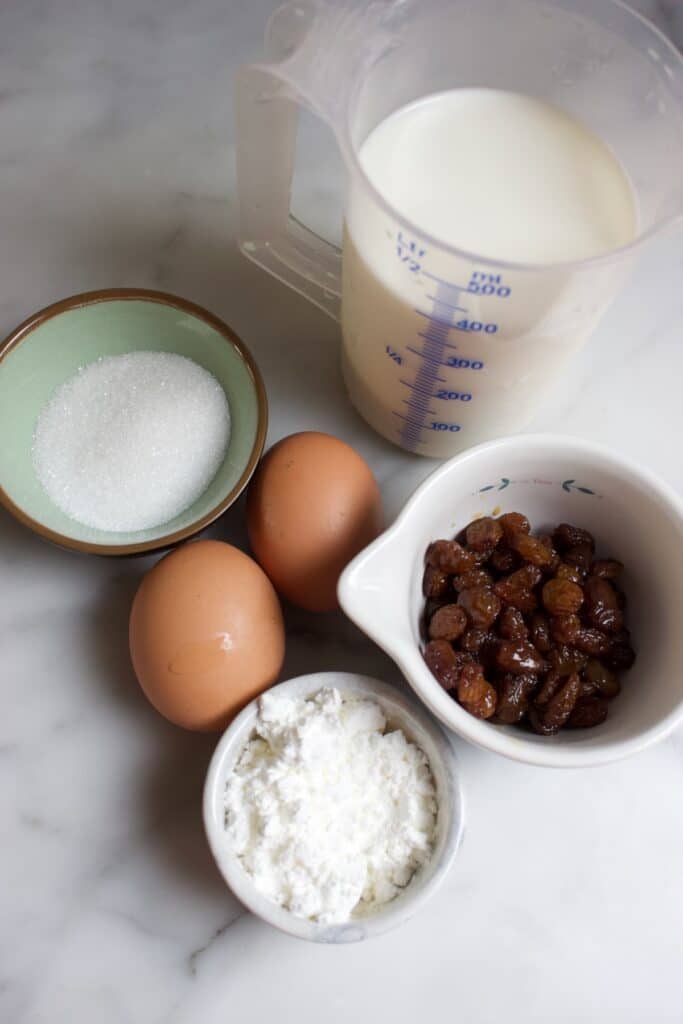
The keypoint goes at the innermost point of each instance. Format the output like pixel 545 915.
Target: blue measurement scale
pixel 436 347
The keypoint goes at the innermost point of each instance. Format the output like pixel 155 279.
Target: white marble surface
pixel 566 903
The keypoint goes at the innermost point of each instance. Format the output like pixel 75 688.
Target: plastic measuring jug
pixel 442 348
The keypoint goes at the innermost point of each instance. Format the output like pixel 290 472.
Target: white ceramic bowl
pixel 400 711
pixel 633 516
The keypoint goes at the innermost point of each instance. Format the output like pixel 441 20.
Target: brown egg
pixel 313 504
pixel 206 634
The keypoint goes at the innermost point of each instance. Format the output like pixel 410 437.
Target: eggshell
pixel 206 634
pixel 312 505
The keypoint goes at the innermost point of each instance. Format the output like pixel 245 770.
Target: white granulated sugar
pixel 327 811
pixel 131 441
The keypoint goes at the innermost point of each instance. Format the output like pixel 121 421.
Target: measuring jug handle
pixel 316 47
pixel 269 235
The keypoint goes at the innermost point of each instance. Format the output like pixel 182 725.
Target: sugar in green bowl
pixel 53 344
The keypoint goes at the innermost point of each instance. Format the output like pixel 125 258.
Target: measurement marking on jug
pixel 451 285
pixel 421 391
pixel 453 396
pixel 479 283
pixel 437 321
pixel 433 298
pixel 432 356
pixel 471 326
pixel 426 358
pixel 429 337
pixel 452 427
pixel 410 252
pixel 452 362
pixel 474 326
pixel 438 349
pixel 418 406
pixel 411 430
pixel 488 284
pixel 464 364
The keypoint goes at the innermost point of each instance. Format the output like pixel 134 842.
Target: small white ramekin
pixel 418 726
pixel 634 517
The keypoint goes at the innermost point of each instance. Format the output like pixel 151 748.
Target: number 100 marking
pixel 436 425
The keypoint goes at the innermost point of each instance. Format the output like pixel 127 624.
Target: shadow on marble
pixel 19 546
pixel 167 796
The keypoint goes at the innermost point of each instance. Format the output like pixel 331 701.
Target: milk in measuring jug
pixel 441 349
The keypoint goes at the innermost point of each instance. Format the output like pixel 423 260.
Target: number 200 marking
pixel 462 396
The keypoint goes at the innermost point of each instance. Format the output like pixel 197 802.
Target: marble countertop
pixel 566 902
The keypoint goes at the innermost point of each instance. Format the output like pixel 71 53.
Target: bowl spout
pixel 374 589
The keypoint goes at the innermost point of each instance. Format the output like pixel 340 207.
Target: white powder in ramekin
pixel 328 811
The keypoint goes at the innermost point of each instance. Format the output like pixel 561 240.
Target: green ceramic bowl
pixel 51 345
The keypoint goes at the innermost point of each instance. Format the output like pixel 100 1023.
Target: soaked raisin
pixel 517 588
pixel 587 713
pixel 432 604
pixel 481 604
pixel 548 688
pixel 561 597
pixel 549 718
pixel 443 663
pixel 564 628
pixel 447 623
pixel 602 605
pixel 572 573
pixel 592 641
pixel 482 558
pixel 620 657
pixel 483 534
pixel 435 583
pixel 567 536
pixel 547 542
pixel 622 636
pixel 449 556
pixel 504 560
pixel 525 600
pixel 472 578
pixel 531 549
pixel 474 639
pixel 599 681
pixel 527 577
pixel 514 693
pixel 607 568
pixel 518 657
pixel 581 555
pixel 540 632
pixel 565 659
pixel 511 624
pixel 476 694
pixel 512 523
